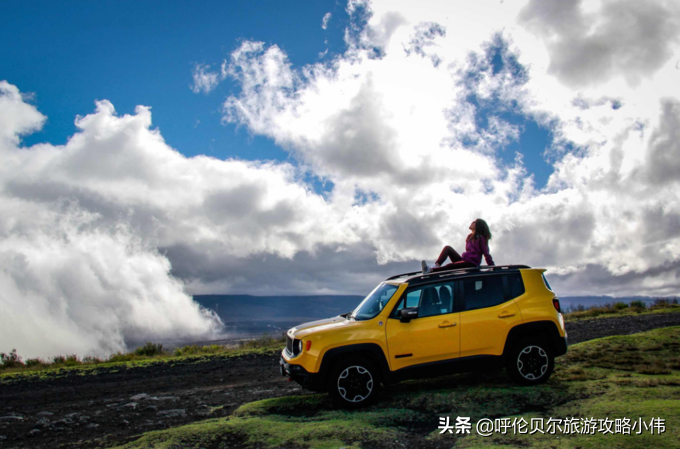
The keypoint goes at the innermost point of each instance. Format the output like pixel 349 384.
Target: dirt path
pixel 590 329
pixel 115 405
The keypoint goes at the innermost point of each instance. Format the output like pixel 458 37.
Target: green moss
pixel 342 430
pixel 617 403
pixel 292 406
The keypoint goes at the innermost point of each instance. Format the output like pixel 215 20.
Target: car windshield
pixel 371 306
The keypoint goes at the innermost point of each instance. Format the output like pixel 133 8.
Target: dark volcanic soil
pixel 113 406
pixel 584 330
pixel 107 408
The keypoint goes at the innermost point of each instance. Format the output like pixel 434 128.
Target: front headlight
pixel 299 347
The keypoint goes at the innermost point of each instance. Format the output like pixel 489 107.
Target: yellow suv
pixel 421 325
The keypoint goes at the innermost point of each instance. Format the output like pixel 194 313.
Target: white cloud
pixel 17 117
pixel 71 279
pixel 69 285
pixel 205 80
pixel 423 40
pixel 395 126
pixel 664 145
pixel 84 226
pixel 325 20
pixel 620 38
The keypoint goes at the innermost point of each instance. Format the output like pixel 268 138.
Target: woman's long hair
pixel 481 228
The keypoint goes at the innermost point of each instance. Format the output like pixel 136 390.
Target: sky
pixel 270 148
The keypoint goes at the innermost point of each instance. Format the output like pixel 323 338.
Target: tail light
pixel 556 303
pixel 308 345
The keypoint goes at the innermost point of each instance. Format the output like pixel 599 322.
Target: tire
pixel 354 383
pixel 531 362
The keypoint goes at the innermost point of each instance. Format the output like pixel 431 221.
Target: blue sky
pixel 69 54
pixel 72 53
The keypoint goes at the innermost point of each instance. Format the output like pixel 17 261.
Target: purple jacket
pixel 474 249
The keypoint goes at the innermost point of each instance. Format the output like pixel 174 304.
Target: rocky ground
pixel 116 404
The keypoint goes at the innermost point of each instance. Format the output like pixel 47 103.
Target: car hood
pixel 305 329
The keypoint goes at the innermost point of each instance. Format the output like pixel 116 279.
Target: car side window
pixel 431 300
pixel 413 298
pixel 409 299
pixel 514 285
pixel 482 292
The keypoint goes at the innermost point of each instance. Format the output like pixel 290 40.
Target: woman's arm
pixel 484 245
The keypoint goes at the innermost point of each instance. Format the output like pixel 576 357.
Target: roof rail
pixel 447 273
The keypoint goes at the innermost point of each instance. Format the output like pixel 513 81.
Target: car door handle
pixel 447 324
pixel 506 315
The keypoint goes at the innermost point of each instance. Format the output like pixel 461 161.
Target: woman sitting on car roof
pixel 476 246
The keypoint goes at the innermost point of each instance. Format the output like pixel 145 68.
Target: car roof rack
pixel 419 276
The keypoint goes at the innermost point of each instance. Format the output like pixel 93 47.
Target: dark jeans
pixel 456 260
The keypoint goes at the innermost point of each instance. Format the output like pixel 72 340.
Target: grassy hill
pixel 635 376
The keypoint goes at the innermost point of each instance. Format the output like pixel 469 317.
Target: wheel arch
pixel 371 351
pixel 545 329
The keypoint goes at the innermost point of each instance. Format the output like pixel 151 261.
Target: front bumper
pixel 310 381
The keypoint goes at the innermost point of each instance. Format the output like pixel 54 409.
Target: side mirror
pixel 407 314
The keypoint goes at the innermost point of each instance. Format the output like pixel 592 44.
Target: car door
pixel 486 315
pixel 433 336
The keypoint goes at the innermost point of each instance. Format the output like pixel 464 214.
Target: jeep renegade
pixel 421 325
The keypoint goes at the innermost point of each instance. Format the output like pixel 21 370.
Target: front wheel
pixel 530 362
pixel 354 383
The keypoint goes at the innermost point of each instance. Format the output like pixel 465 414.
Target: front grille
pixel 289 344
pixel 292 346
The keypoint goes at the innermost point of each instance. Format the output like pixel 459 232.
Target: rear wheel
pixel 530 362
pixel 353 383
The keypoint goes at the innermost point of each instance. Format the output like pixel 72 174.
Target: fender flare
pixel 371 351
pixel 542 329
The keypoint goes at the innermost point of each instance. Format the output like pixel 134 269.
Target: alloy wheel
pixel 532 362
pixel 355 384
